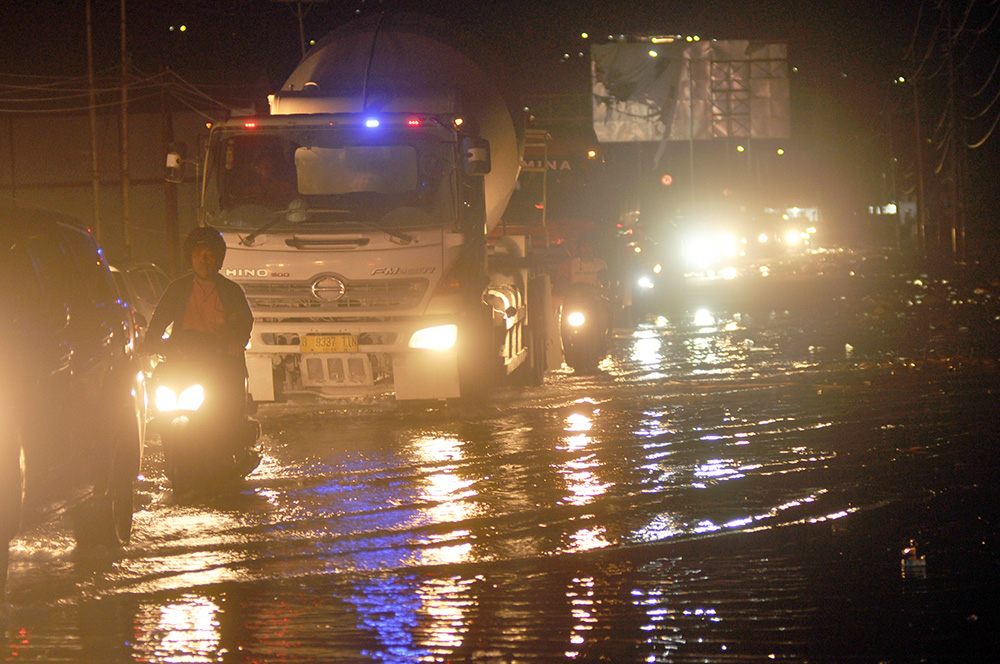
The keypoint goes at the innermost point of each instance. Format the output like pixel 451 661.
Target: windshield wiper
pixel 302 215
pixel 248 240
pixel 296 212
pixel 403 237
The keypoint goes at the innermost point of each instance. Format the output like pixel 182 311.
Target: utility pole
pixel 691 124
pixel 170 191
pixel 921 199
pixel 955 173
pixel 127 231
pixel 95 175
pixel 302 31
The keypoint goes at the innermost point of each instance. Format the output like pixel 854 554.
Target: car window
pixel 140 283
pixel 95 285
pixel 21 296
pixel 121 283
pixel 54 268
pixel 148 282
pixel 71 274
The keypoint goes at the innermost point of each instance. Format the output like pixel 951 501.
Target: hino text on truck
pixel 356 216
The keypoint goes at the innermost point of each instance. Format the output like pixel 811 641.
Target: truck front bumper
pixel 382 351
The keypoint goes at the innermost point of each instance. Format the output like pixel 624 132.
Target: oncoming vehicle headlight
pixel 709 249
pixel 729 245
pixel 441 337
pixel 575 319
pixel 167 400
pixel 698 251
pixel 645 282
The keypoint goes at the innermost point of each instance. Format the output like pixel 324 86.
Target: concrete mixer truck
pixel 356 216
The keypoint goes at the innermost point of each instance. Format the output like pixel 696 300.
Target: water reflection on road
pixel 728 487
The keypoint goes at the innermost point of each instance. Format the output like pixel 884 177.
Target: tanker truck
pixel 356 216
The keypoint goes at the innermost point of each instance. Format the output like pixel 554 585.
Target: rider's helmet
pixel 208 236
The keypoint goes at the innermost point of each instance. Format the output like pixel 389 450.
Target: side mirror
pixel 476 156
pixel 175 162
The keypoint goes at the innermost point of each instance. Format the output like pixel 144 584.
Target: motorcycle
pixel 202 414
pixel 584 325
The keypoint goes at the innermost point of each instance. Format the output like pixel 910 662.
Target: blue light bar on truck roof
pixel 346 120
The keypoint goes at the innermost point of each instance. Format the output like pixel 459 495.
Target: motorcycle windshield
pixel 329 181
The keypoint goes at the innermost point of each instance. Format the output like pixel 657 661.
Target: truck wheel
pixel 4 563
pixel 532 372
pixel 479 365
pixel 11 499
pixel 11 487
pixel 106 519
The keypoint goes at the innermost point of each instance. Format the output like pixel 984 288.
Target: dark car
pixel 147 281
pixel 71 399
pixel 128 297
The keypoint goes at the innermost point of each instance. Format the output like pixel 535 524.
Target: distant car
pixel 139 323
pixel 147 281
pixel 71 400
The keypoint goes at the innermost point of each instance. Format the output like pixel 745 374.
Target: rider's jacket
pixel 238 323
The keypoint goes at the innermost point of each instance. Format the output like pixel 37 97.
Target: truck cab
pixel 356 214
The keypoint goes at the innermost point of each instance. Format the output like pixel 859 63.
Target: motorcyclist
pixel 587 274
pixel 586 267
pixel 207 305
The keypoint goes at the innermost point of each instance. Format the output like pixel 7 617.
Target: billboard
pixel 678 90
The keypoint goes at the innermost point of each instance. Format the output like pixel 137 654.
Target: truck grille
pixel 382 294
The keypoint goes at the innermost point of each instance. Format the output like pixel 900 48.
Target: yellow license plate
pixel 329 343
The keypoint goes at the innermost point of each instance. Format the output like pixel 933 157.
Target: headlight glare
pixel 191 398
pixel 168 401
pixel 165 399
pixel 441 337
pixel 575 318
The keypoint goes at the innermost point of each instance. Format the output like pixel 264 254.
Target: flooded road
pixel 736 484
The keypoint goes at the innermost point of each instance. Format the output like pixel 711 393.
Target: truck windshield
pixel 314 180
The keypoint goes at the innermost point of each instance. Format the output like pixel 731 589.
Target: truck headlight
pixel 440 337
pixel 167 400
pixel 575 319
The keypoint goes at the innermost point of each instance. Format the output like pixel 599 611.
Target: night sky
pixel 845 55
pixel 49 37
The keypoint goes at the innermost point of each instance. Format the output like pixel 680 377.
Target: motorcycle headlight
pixel 441 337
pixel 167 400
pixel 575 319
